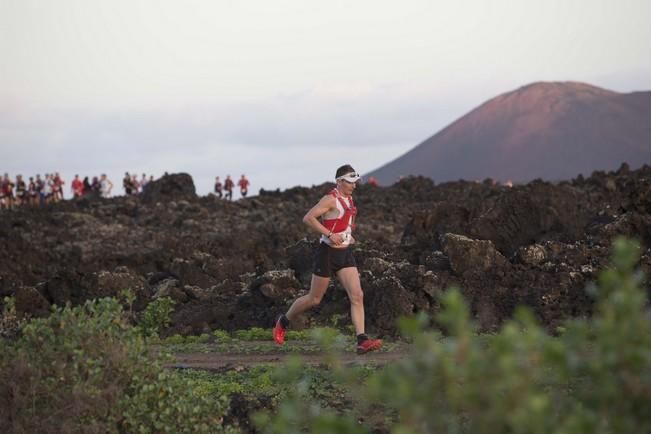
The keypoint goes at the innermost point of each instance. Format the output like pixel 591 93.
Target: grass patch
pixel 259 340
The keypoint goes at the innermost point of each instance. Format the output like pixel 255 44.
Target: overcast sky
pixel 284 91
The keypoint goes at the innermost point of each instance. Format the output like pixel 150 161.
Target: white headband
pixel 350 177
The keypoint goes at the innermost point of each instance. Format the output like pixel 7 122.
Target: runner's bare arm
pixel 311 219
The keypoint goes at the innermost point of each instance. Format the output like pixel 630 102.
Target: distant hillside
pixel 551 131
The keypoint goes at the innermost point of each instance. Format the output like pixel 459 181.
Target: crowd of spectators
pixel 225 189
pixel 37 191
pixel 101 186
pixel 133 186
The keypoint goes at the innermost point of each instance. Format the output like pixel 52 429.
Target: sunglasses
pixel 353 174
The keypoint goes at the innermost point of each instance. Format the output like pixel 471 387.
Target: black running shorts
pixel 329 260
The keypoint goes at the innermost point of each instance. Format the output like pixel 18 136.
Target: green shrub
pixel 300 411
pixel 85 369
pixel 222 336
pixel 593 378
pixel 174 339
pixel 255 380
pixel 156 316
pixel 197 339
pixel 10 324
pixel 297 335
pixel 253 334
pixel 203 338
pixel 260 334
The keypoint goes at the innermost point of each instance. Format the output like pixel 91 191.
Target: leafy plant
pixel 222 336
pixel 86 369
pixel 10 324
pixel 595 377
pixel 156 316
pixel 129 298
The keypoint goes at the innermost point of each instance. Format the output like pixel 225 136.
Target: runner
pixel 334 256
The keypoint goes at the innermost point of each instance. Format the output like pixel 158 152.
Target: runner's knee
pixel 357 297
pixel 315 300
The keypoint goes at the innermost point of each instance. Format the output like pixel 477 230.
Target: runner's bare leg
pixel 318 288
pixel 349 278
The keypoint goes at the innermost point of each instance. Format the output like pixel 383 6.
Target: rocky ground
pixel 235 265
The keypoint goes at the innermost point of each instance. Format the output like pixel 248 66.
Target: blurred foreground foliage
pixel 87 369
pixel 594 377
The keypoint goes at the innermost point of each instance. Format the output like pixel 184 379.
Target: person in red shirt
pixel 77 187
pixel 243 183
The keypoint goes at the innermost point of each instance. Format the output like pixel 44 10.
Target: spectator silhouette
pixel 228 186
pixel 218 187
pixel 243 183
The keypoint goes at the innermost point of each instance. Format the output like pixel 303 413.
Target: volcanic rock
pixel 471 256
pixel 171 288
pixel 277 284
pixel 532 255
pixel 168 188
pixel 31 303
pixel 231 265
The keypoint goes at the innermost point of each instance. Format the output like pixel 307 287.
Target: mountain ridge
pixel 548 130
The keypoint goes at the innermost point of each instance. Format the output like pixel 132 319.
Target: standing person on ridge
pixel 228 186
pixel 243 183
pixel 105 186
pixel 143 182
pixel 126 184
pixel 87 187
pixel 77 187
pixel 218 187
pixel 334 256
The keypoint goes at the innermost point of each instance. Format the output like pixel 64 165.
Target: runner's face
pixel 346 187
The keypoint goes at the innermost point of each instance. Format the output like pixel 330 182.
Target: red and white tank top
pixel 340 220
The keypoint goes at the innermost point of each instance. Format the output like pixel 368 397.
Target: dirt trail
pixel 228 361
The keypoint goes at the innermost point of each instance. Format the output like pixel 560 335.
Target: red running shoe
pixel 279 333
pixel 369 345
